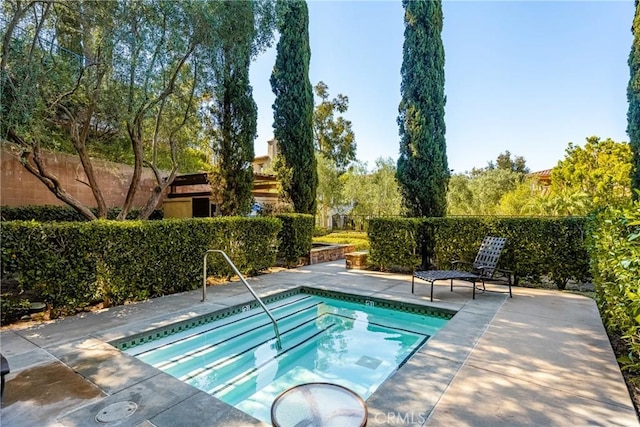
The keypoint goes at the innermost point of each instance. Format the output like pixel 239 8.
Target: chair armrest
pixel 459 261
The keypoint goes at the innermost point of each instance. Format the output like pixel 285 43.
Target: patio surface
pixel 541 358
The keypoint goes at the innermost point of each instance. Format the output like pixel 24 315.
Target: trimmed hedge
pixel 395 243
pixel 536 247
pixel 294 239
pixel 614 247
pixel 357 238
pixel 46 213
pixel 72 265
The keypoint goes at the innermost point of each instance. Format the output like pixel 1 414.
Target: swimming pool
pixel 341 339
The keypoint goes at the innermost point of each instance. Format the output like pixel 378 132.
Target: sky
pixel 523 76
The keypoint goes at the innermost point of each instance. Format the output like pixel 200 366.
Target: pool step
pixel 223 348
pixel 251 316
pixel 221 372
pixel 188 345
pixel 245 381
pixel 250 392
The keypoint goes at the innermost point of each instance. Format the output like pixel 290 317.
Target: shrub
pixel 72 265
pixel 320 231
pixel 614 248
pixel 46 213
pixel 52 260
pixel 536 247
pixel 359 239
pixel 394 243
pixel 12 310
pixel 294 239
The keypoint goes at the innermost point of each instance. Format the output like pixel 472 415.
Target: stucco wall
pixel 19 188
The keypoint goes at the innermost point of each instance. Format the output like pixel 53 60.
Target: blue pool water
pixel 323 339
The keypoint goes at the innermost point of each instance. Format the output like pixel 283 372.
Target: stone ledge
pixel 329 252
pixel 357 260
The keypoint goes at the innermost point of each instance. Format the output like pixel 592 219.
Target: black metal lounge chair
pixel 4 365
pixel 483 268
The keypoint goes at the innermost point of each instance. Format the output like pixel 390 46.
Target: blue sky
pixel 523 76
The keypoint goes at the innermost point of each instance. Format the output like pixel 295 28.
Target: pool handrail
pixel 242 279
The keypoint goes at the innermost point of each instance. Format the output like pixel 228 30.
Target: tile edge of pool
pixel 426 375
pixel 136 338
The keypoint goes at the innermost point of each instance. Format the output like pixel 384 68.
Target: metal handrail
pixel 242 279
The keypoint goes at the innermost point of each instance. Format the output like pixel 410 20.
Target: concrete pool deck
pixel 540 358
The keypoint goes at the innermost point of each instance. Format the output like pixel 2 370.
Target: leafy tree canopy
pixel 422 172
pixel 480 194
pixel 333 135
pixel 373 192
pixel 505 162
pixel 293 108
pixel 121 79
pixel 600 169
pixel 330 189
pixel 633 96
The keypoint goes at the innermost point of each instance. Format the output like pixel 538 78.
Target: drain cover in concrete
pixel 116 412
pixel 369 362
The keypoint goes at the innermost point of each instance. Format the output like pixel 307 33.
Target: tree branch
pixel 39 170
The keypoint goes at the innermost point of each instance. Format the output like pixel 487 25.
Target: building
pixel 542 180
pixel 188 196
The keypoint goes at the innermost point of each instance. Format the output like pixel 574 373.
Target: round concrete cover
pixel 116 412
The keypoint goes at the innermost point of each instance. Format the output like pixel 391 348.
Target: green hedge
pixel 12 308
pixel 357 238
pixel 536 247
pixel 294 240
pixel 614 248
pixel 395 243
pixel 72 265
pixel 46 213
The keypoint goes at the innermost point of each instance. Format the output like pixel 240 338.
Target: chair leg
pixel 431 291
pixel 474 289
pixel 451 285
pixel 413 278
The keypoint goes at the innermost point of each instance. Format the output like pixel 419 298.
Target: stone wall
pixel 19 188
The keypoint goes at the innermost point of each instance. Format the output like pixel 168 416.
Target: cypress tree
pixel 293 107
pixel 423 172
pixel 234 112
pixel 633 96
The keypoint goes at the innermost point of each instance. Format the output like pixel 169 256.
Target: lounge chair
pixel 4 365
pixel 483 268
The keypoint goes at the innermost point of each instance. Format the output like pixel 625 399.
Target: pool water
pixel 236 360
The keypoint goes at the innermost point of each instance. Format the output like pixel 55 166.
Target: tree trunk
pixel 136 143
pixel 79 142
pixel 32 162
pixel 158 191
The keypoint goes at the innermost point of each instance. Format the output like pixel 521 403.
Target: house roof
pixel 541 174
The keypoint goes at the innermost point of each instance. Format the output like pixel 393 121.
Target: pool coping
pixel 498 361
pixel 427 369
pixel 136 338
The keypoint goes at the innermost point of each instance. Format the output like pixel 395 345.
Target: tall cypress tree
pixel 234 112
pixel 293 107
pixel 423 173
pixel 633 96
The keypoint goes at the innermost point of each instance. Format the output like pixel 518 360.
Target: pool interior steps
pixel 236 360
